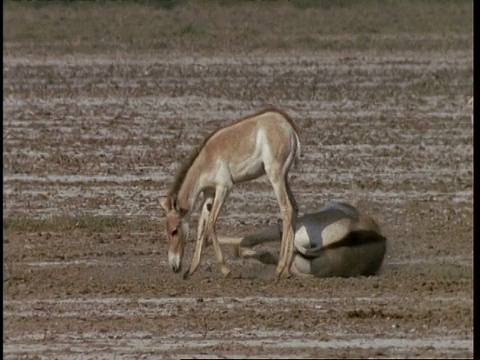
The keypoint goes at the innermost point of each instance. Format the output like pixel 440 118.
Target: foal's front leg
pixel 210 211
pixel 220 195
pixel 202 234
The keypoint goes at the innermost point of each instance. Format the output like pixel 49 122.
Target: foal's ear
pixel 166 203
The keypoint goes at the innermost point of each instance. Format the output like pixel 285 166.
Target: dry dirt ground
pixel 92 142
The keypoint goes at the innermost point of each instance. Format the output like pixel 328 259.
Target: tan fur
pixel 243 126
pixel 265 143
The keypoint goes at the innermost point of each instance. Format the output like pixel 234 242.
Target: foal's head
pixel 177 231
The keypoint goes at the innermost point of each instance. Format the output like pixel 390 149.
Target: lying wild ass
pixel 264 143
pixel 338 240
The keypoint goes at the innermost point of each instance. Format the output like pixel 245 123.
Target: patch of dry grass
pixel 91 223
pixel 218 27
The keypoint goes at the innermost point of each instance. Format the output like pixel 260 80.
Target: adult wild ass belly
pixel 338 241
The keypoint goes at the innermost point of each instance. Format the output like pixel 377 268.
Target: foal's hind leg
pixel 291 197
pixel 291 248
pixel 289 215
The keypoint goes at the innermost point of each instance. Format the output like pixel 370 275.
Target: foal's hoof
pixel 279 272
pixel 186 274
pixel 283 272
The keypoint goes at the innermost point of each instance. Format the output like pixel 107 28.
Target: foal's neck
pixel 190 189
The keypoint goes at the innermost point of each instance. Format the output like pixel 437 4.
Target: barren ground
pixel 91 141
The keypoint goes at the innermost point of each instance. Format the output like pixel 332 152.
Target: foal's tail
pixel 298 149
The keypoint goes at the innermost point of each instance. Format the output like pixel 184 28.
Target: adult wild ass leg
pixel 243 245
pixel 265 143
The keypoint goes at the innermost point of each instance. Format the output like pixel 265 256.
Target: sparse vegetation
pixel 65 223
pixel 103 100
pixel 241 26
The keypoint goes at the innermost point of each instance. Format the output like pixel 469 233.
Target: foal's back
pixel 246 147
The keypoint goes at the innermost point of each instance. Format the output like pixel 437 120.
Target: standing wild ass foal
pixel 264 143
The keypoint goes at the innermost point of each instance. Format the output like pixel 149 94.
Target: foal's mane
pixel 182 172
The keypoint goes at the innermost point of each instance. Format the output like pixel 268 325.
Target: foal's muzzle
pixel 177 268
pixel 175 261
